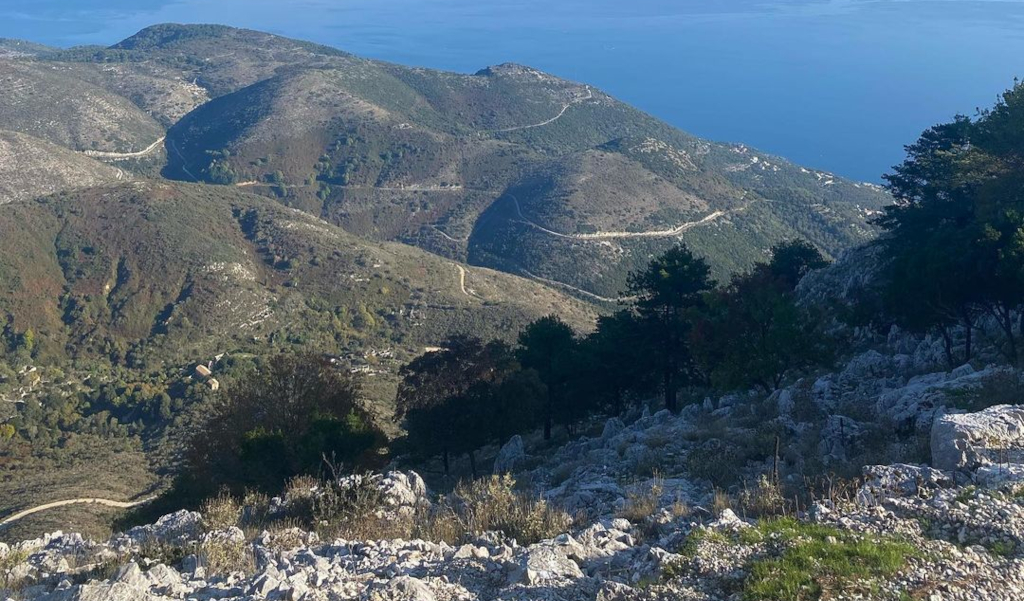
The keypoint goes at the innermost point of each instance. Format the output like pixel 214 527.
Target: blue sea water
pixel 839 85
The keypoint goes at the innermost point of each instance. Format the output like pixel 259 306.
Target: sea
pixel 837 85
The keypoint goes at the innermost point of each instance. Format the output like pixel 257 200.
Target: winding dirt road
pixel 447 237
pixel 569 287
pixel 86 501
pixel 589 96
pixel 671 233
pixel 121 156
pixel 462 280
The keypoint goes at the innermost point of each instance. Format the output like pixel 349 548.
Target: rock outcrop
pixel 968 441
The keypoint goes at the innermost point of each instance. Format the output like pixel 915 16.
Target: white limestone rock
pixel 967 441
pixel 511 457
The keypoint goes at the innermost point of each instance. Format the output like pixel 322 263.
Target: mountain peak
pixel 167 34
pixel 510 70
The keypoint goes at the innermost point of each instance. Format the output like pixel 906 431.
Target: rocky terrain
pixel 178 207
pixel 938 514
pixel 47 101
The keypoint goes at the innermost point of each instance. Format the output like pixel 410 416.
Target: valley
pixel 281 322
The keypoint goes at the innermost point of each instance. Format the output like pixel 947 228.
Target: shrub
pixel 355 513
pixel 493 504
pixel 224 556
pixel 764 499
pixel 281 422
pixel 220 512
pixel 489 504
pixel 718 464
pixel 8 563
pixel 642 502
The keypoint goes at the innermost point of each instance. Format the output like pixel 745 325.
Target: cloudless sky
pixel 839 85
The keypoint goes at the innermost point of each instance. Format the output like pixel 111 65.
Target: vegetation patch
pixel 818 561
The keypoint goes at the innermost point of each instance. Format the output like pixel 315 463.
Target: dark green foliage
pixel 457 399
pixel 612 361
pixel 283 421
pixel 548 346
pixel 753 333
pixel 955 243
pixel 750 333
pixel 666 294
pixel 792 260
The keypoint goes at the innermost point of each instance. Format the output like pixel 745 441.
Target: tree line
pixel 676 331
pixel 953 253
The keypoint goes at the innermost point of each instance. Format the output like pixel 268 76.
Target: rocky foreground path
pixel 961 530
pixel 649 525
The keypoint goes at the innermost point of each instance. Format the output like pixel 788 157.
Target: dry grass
pixel 490 504
pixel 720 502
pixel 494 504
pixel 9 581
pixel 221 512
pixel 643 502
pixel 763 499
pixel 222 556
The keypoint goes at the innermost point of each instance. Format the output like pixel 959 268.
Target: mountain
pixel 151 271
pixel 508 168
pixel 203 194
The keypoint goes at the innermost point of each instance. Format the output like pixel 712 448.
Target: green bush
pixel 280 422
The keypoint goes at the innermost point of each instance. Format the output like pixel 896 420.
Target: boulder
pixel 544 563
pixel 511 457
pixel 176 528
pixel 117 591
pixel 993 476
pixel 840 437
pixel 612 427
pixel 403 489
pixel 402 588
pixel 904 479
pixel 614 591
pixel 967 441
pixel 728 521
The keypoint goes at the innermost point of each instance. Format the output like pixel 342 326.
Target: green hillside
pixel 151 272
pixel 504 168
pixel 433 158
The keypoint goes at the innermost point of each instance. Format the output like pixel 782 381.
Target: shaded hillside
pixel 30 167
pixel 148 270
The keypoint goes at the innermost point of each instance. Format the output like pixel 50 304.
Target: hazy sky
pixel 835 84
